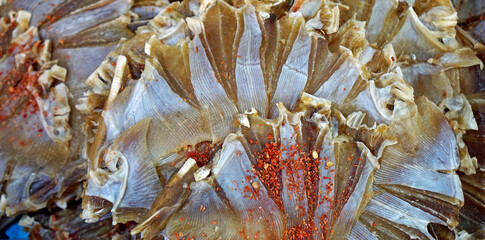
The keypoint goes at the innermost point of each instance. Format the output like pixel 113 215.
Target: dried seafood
pixel 258 119
pixel 41 53
pixel 66 224
pixel 472 217
pixel 206 132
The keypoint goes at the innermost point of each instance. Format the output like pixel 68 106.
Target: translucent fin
pixel 130 181
pixel 294 74
pixel 205 215
pixel 341 83
pixel 215 106
pixel 251 89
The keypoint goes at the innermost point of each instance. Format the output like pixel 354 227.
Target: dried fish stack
pixel 471 29
pixel 239 120
pixel 45 57
pixel 274 119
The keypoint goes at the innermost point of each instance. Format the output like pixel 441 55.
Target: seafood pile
pixel 229 119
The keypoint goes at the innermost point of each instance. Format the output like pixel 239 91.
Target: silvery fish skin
pixel 355 108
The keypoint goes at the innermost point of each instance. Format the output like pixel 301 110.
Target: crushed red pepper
pixel 269 168
pixel 202 152
pixel 20 87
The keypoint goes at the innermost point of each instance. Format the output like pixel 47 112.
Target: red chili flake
pixel 201 153
pixel 10 50
pixel 214 222
pixel 268 170
pixel 61 41
pixel 196 50
pixel 182 219
pixel 269 137
pixel 373 224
